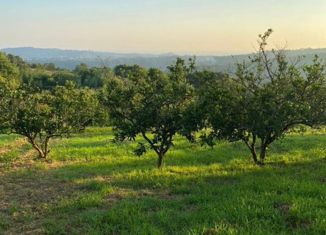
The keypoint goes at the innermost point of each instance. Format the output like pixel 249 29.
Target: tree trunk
pixel 254 155
pixel 252 148
pixel 262 153
pixel 160 161
pixel 42 153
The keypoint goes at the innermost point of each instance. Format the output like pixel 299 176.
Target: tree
pixel 38 79
pixel 47 114
pixel 17 61
pixel 60 78
pixel 5 94
pixel 149 103
pixel 7 69
pixel 47 79
pixel 91 77
pixel 8 83
pixel 267 98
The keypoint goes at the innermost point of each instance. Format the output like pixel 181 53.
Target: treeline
pixel 257 105
pixel 47 76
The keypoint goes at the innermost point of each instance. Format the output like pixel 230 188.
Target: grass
pixel 93 186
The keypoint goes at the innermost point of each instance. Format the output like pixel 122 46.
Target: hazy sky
pixel 159 26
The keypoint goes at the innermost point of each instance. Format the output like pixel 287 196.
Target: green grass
pixel 92 186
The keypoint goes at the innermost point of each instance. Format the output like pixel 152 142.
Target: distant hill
pixel 70 58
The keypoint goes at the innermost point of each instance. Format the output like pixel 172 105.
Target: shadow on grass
pixel 91 199
pixel 184 153
pixel 201 190
pixel 188 202
pixel 108 161
pixel 299 143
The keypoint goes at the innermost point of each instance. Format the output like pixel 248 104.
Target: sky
pixel 162 26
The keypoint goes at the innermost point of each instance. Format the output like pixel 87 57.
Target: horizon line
pixel 155 53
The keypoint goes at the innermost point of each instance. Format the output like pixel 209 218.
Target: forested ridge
pixel 69 59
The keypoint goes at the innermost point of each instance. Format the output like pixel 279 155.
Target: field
pixel 91 185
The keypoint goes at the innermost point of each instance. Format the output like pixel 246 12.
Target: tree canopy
pixel 265 99
pixel 151 104
pixel 47 114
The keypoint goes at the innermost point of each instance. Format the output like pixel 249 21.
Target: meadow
pixel 91 185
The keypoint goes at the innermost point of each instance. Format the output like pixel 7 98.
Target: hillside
pixel 70 58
